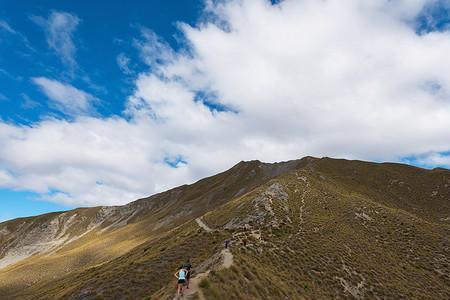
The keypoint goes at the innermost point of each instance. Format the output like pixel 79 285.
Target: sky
pixel 102 103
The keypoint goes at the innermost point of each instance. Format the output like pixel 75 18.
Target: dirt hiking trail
pixel 194 288
pixel 194 283
pixel 203 225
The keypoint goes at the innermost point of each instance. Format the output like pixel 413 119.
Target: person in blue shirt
pixel 181 275
pixel 188 267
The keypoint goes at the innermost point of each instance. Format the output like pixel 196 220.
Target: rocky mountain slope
pixel 304 229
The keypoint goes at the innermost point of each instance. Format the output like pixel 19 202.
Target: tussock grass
pixel 346 229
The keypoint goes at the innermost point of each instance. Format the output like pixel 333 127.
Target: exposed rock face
pixel 46 235
pixel 41 238
pixel 262 212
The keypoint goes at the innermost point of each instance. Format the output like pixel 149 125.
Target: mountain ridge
pixel 250 199
pixel 439 169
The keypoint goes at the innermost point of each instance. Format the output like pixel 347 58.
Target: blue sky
pixel 106 29
pixel 103 102
pixel 23 204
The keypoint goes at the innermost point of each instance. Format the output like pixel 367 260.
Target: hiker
pixel 227 242
pixel 181 276
pixel 187 266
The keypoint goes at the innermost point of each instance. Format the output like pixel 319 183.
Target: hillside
pixel 304 229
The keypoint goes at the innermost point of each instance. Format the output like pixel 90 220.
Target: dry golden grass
pixel 344 229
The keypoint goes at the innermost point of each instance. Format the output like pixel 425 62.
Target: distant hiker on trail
pixel 227 243
pixel 187 266
pixel 181 276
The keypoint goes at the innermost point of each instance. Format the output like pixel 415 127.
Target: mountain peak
pixel 346 228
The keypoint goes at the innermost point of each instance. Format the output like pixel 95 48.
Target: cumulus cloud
pixel 432 159
pixel 327 78
pixel 123 62
pixel 65 97
pixel 154 51
pixel 5 178
pixel 59 29
pixel 347 79
pixel 86 162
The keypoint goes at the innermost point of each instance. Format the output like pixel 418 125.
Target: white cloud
pixel 154 51
pixel 123 62
pixel 434 159
pixel 65 97
pixel 28 103
pixel 5 27
pixel 89 161
pixel 59 29
pixel 9 75
pixel 5 178
pixel 338 78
